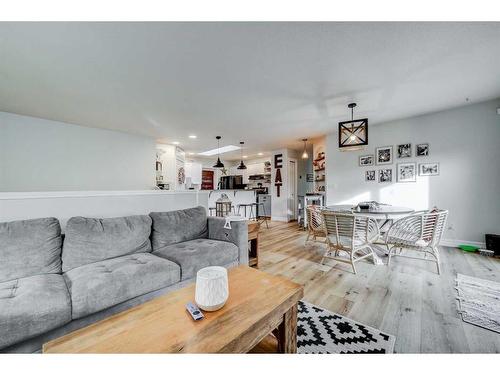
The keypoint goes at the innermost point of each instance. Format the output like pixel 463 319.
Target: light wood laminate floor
pixel 408 299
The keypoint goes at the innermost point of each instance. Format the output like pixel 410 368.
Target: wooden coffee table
pixel 258 304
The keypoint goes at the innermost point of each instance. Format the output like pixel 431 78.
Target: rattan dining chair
pixel 315 224
pixel 421 232
pixel 349 233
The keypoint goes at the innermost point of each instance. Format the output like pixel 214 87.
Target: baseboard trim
pixel 280 218
pixel 455 243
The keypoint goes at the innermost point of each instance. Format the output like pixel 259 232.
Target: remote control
pixel 195 312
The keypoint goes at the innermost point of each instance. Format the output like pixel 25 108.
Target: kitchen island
pixel 236 196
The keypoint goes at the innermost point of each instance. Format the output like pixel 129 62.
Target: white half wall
pixel 466 143
pixel 43 155
pixel 99 204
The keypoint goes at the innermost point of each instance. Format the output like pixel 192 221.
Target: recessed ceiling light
pixel 191 153
pixel 176 143
pixel 245 156
pixel 192 136
pixel 221 150
pixel 260 154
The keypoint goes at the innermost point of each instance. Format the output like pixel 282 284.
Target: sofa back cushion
pixel 90 240
pixel 29 248
pixel 178 226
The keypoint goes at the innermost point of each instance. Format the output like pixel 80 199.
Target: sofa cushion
pixel 31 306
pixel 178 226
pixel 30 247
pixel 92 240
pixel 97 286
pixel 195 254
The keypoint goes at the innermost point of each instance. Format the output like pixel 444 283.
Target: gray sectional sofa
pixel 52 284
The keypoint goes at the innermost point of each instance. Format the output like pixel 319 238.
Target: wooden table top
pixel 256 304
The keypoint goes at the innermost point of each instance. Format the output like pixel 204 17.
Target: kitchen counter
pixel 236 196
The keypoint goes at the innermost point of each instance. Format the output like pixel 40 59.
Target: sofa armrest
pixel 238 234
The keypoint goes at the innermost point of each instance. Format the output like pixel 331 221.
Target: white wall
pixel 43 155
pixel 466 143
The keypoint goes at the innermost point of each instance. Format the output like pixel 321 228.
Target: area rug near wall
pixel 320 331
pixel 479 301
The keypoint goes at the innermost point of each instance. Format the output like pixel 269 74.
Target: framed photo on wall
pixel 407 172
pixel 385 175
pixel 422 149
pixel 366 160
pixel 428 169
pixel 404 151
pixel 383 155
pixel 370 176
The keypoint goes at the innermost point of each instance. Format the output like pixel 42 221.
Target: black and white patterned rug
pixel 320 331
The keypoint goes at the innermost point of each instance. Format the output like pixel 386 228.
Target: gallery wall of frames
pixel 400 155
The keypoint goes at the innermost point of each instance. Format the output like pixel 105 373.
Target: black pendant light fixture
pixel 219 164
pixel 242 165
pixel 305 155
pixel 353 133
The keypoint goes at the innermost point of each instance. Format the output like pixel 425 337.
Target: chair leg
pixel 436 255
pixel 352 263
pixel 373 254
pixel 390 255
pixel 308 235
pixel 265 215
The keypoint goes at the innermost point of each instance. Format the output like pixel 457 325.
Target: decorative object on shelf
pixel 219 164
pixel 385 175
pixel 383 155
pixel 407 172
pixel 366 160
pixel 404 150
pixel 422 149
pixel 370 176
pixel 353 133
pixel 428 169
pixel 212 288
pixel 242 165
pixel 267 167
pixel 305 155
pixel 223 206
pixel 181 175
pixel 319 164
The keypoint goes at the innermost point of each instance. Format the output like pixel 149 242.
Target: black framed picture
pixel 407 172
pixel 366 160
pixel 385 175
pixel 370 176
pixel 428 169
pixel 422 149
pixel 404 150
pixel 383 155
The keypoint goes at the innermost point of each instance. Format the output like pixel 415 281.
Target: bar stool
pixel 263 211
pixel 245 205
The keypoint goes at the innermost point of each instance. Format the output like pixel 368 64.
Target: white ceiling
pixel 268 84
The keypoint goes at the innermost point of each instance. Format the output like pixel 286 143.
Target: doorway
pixel 292 190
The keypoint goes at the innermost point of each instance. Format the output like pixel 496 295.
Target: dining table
pixel 384 214
pixel 383 211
